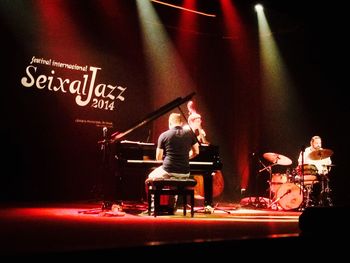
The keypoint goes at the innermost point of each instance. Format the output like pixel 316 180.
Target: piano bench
pixel 158 187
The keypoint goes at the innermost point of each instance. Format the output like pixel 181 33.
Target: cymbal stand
pixel 325 197
pixel 268 168
pixel 308 189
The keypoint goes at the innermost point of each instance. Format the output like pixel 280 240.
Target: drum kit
pixel 294 190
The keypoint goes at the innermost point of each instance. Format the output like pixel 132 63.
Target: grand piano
pixel 134 160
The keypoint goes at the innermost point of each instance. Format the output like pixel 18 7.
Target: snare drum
pixel 277 180
pixel 289 196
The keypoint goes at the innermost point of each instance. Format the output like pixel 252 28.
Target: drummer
pixel 316 155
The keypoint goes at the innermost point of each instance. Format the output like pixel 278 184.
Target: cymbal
pixel 320 154
pixel 277 158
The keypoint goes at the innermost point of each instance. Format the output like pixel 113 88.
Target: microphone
pixel 287 192
pixel 104 130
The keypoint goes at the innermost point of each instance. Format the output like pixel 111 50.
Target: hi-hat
pixel 277 158
pixel 320 154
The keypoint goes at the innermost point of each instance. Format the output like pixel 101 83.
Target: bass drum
pixel 289 196
pixel 218 185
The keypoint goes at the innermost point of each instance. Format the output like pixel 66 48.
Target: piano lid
pixel 117 136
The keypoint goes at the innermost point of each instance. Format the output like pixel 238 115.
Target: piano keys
pixel 194 165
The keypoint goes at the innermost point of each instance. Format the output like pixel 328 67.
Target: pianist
pixel 175 147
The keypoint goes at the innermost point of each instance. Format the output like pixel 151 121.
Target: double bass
pixel 195 123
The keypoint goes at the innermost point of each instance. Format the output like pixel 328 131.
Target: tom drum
pixel 310 173
pixel 277 180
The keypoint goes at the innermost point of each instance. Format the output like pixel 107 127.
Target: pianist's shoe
pixel 145 213
pixel 163 210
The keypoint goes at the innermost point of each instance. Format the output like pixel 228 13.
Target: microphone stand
pixel 302 186
pixel 279 198
pixel 103 186
pixel 106 205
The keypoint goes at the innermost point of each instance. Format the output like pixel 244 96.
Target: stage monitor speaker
pixel 324 221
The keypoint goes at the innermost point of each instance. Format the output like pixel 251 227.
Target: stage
pixel 84 227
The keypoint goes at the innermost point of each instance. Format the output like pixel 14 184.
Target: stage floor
pixel 86 226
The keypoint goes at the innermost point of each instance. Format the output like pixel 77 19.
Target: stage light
pixel 258 8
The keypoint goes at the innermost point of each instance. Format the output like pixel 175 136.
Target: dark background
pixel 48 156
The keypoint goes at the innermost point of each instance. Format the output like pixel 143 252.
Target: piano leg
pixel 208 188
